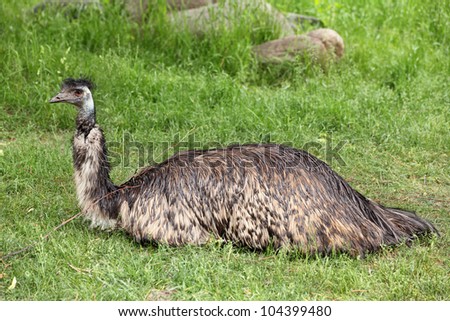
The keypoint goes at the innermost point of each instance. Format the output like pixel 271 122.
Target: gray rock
pixel 333 42
pixel 201 16
pixel 299 21
pixel 288 48
pixel 219 15
pixel 321 45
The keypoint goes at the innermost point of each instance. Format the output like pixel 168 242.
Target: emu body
pixel 251 195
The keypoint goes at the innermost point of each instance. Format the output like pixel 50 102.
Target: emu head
pixel 76 92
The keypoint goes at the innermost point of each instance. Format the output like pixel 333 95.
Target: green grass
pixel 388 100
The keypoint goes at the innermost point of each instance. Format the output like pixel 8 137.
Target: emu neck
pixel 86 115
pixel 95 191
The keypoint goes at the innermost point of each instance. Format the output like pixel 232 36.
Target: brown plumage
pixel 251 195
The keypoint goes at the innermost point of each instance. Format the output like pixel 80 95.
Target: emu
pixel 252 195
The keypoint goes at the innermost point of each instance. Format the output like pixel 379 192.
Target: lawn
pixel 380 117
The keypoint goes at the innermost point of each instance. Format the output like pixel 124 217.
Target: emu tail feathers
pixel 405 225
pixel 409 222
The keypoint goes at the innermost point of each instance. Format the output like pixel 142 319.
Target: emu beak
pixel 59 98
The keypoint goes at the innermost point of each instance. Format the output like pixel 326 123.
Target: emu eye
pixel 78 92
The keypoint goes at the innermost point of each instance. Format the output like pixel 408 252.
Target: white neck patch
pixel 88 101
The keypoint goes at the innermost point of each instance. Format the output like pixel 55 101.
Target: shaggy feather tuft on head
pixel 81 82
